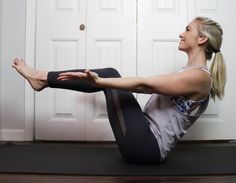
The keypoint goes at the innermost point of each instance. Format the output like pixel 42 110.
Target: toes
pixel 18 62
pixel 15 63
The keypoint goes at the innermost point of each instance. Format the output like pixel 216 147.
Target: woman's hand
pixel 88 75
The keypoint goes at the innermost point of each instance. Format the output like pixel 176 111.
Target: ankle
pixel 41 76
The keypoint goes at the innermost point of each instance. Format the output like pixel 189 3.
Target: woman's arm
pixel 178 84
pixel 188 83
pixel 134 84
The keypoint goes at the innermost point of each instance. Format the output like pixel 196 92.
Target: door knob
pixel 82 27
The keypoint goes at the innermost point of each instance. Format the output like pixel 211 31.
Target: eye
pixel 187 29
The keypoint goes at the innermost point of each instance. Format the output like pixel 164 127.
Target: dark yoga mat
pixel 77 159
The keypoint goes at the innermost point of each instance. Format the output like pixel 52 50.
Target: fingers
pixel 63 78
pixel 91 74
pixel 71 75
pixel 88 72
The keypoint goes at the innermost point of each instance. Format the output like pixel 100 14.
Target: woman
pixel 177 101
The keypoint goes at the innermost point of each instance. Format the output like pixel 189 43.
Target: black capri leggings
pixel 134 138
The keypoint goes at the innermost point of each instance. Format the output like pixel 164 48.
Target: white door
pixel 218 121
pixel 60 45
pixel 109 40
pixel 160 22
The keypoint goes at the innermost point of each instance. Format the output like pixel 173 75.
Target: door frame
pixel 1 12
pixel 30 31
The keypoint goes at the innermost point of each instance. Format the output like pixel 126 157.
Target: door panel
pixel 160 23
pixel 111 42
pixel 218 121
pixel 60 45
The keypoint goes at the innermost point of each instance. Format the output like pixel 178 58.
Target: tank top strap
pixel 204 68
pixel 202 107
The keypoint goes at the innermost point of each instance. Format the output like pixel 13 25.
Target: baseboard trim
pixel 12 135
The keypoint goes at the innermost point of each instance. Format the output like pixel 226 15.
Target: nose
pixel 181 35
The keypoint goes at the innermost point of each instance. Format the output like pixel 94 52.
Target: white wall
pixel 12 86
pixel 0 59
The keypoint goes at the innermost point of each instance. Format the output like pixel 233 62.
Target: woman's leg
pixel 77 85
pixel 130 127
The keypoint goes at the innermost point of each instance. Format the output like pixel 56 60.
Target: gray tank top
pixel 170 117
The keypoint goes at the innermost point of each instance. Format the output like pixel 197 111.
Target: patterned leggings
pixel 134 138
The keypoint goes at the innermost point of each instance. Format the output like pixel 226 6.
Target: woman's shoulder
pixel 201 79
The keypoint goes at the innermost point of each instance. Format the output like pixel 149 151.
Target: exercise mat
pixel 82 159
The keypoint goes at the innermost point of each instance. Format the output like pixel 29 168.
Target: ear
pixel 202 40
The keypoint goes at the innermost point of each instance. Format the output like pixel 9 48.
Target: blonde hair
pixel 213 31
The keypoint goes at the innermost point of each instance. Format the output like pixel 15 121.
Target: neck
pixel 196 57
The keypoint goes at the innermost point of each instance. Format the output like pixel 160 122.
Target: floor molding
pixel 12 135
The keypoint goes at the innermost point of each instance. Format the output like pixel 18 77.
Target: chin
pixel 182 49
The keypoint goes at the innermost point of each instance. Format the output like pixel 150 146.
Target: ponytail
pixel 218 73
pixel 213 31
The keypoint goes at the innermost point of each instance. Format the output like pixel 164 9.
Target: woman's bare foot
pixel 37 79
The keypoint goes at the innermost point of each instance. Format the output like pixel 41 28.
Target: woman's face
pixel 189 39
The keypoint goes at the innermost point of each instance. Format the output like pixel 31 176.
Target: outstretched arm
pixel 133 84
pixel 178 84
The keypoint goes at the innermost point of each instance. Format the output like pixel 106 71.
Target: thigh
pixel 131 128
